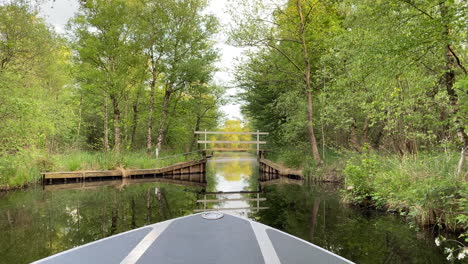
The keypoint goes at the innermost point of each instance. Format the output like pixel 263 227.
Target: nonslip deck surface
pixel 193 239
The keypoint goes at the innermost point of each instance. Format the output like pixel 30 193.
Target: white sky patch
pixel 57 13
pixel 228 54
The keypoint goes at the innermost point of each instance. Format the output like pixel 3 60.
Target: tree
pixel 36 109
pixel 302 27
pixel 108 54
pixel 189 52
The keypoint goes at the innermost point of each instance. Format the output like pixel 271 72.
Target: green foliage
pixel 35 107
pixel 424 187
pixel 150 67
pixel 360 175
pixel 389 75
pixel 91 91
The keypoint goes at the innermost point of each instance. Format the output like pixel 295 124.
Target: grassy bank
pixel 330 171
pixel 24 168
pixel 423 187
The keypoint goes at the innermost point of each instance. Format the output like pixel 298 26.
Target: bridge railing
pixel 256 142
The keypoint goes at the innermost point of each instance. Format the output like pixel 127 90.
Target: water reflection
pixel 193 179
pixel 315 213
pixel 232 172
pixel 36 223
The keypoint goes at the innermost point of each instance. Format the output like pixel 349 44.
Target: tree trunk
pixel 149 142
pixel 449 77
pixel 106 125
pixel 162 123
pixel 197 128
pixel 80 118
pixel 135 119
pixel 310 126
pixel 171 113
pixel 115 105
pixel 365 130
pixel 308 88
pixel 354 137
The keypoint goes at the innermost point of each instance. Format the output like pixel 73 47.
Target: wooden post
pixel 258 202
pixel 258 145
pixel 205 139
pixel 204 202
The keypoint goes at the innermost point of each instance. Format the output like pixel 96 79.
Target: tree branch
pixel 417 8
pixel 286 56
pixel 457 59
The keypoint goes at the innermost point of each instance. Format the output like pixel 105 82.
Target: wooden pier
pixel 271 168
pixel 176 172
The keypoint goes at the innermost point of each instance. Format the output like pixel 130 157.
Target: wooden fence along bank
pixel 189 171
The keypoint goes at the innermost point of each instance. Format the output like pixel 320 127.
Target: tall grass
pixel 301 158
pixel 424 186
pixel 110 160
pixel 25 167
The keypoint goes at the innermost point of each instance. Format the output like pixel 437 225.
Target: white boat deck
pixel 194 239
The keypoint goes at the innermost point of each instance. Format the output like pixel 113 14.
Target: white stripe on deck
pixel 268 251
pixel 145 243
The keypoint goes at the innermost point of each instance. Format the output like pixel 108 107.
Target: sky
pixel 58 12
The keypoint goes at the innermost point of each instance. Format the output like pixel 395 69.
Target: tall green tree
pixel 108 55
pixel 396 82
pixel 299 33
pixel 179 50
pixel 36 110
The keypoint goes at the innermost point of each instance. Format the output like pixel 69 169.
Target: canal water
pixel 36 223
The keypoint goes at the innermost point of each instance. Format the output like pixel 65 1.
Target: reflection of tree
pixel 164 208
pixel 313 217
pixel 115 214
pixel 148 206
pixel 317 216
pixel 36 223
pixel 234 169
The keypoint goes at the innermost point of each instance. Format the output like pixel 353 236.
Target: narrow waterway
pixel 36 223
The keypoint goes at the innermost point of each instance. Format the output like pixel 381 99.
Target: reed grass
pixel 25 167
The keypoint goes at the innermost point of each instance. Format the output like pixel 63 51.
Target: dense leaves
pixel 383 73
pixel 122 69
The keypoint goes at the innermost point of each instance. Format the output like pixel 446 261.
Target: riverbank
pixel 23 169
pixel 422 187
pixel 37 223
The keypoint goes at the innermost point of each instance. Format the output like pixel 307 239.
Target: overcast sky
pixel 58 12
